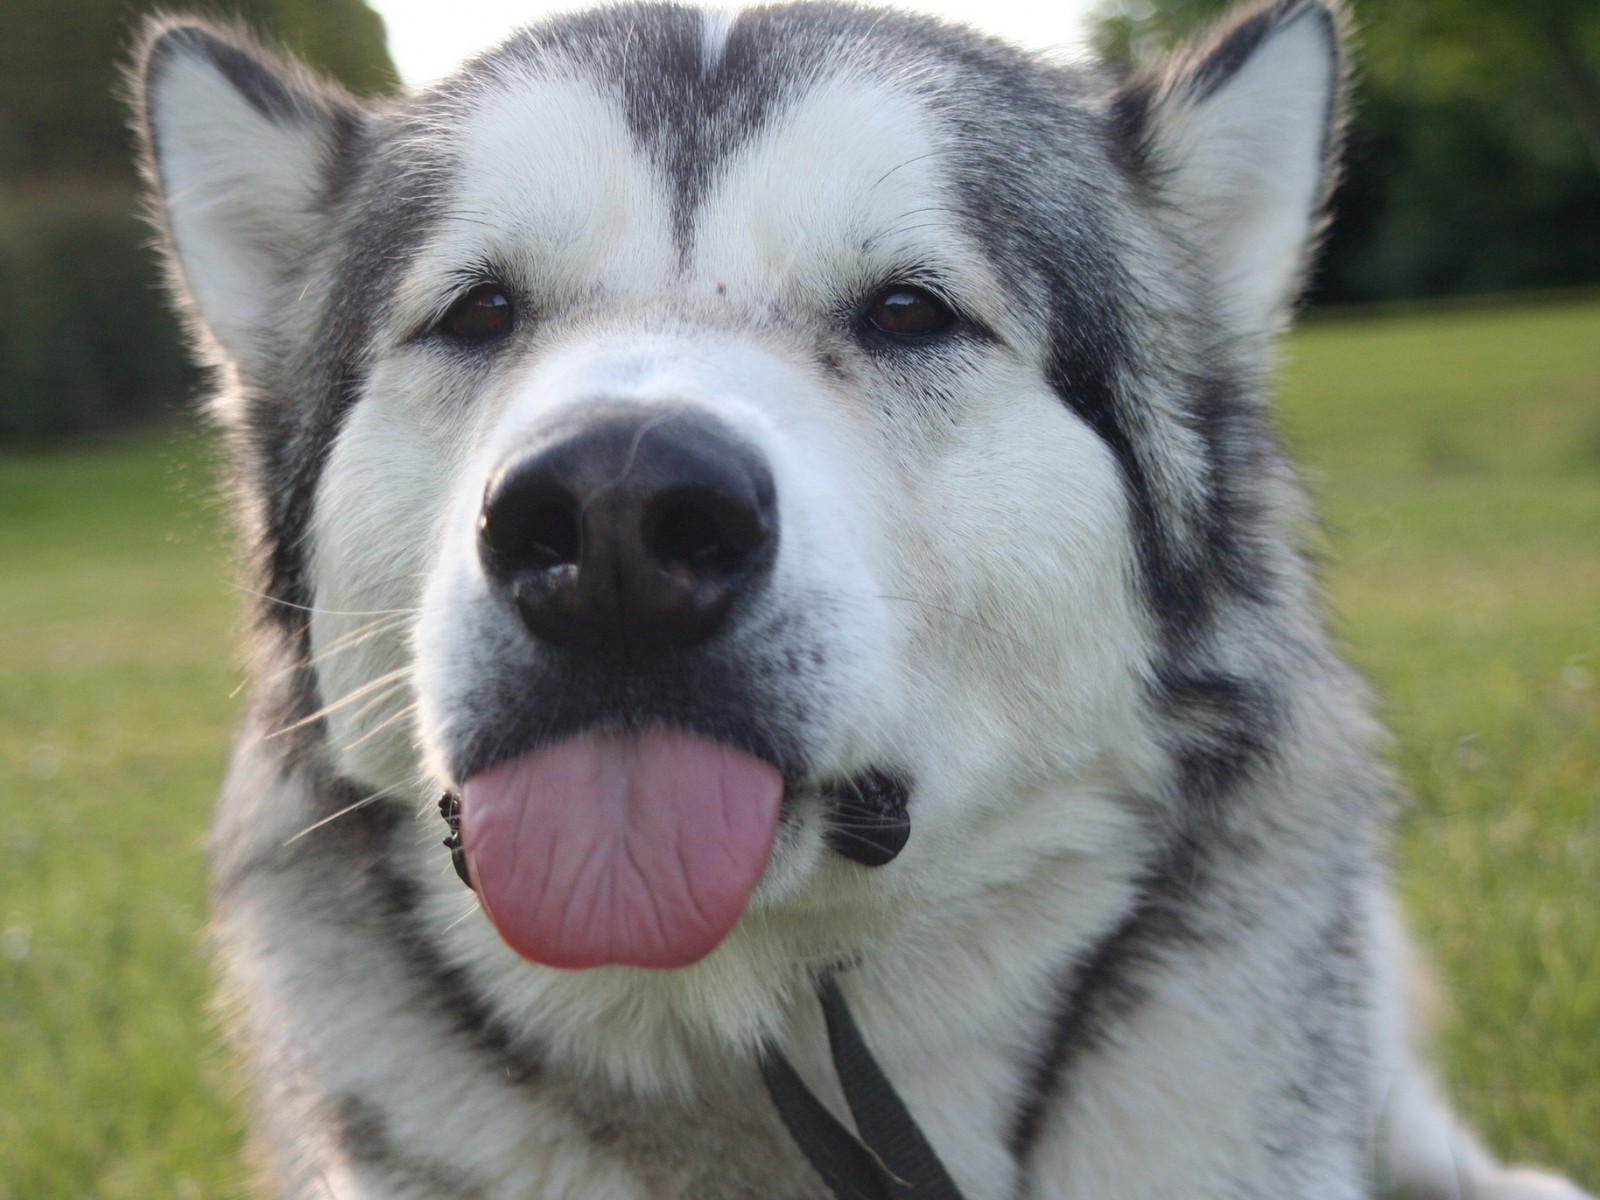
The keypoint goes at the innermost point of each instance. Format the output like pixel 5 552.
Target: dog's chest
pixel 727 1144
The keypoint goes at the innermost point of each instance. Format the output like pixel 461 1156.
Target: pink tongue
pixel 620 848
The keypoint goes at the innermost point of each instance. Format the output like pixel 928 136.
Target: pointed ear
pixel 1241 136
pixel 239 151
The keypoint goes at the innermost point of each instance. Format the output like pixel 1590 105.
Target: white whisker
pixel 343 812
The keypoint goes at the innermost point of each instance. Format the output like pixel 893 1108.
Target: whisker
pixel 345 642
pixel 471 908
pixel 357 635
pixel 343 812
pixel 951 612
pixel 400 714
pixel 903 164
pixel 320 612
pixel 386 684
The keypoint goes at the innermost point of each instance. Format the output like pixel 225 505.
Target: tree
pixel 60 68
pixel 1474 155
pixel 86 345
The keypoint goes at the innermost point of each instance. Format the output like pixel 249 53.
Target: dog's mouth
pixel 642 848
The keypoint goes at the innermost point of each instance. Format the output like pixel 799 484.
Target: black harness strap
pixel 896 1163
pixel 845 1165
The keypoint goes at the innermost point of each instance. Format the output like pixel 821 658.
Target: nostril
pixel 531 526
pixel 630 531
pixel 702 535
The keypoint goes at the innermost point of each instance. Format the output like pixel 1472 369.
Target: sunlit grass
pixel 1455 454
pixel 115 685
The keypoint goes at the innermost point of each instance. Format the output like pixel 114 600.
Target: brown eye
pixel 904 311
pixel 484 313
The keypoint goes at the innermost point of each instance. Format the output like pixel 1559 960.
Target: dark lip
pixel 798 777
pixel 796 772
pixel 748 700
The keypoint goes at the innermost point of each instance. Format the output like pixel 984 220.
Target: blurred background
pixel 1474 165
pixel 1443 393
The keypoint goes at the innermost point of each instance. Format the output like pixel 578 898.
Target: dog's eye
pixel 482 314
pixel 903 311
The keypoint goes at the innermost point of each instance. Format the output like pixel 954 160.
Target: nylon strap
pixel 896 1162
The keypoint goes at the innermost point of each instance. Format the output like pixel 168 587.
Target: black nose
pixel 632 531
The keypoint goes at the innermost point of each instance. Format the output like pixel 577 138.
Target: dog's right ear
pixel 239 151
pixel 1240 135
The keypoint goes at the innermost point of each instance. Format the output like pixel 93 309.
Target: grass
pixel 115 684
pixel 1455 454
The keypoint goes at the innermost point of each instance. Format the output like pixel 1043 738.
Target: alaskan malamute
pixel 788 500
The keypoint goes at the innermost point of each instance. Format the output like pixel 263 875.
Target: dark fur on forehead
pixel 691 113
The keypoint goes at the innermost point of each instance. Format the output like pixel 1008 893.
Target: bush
pixel 88 345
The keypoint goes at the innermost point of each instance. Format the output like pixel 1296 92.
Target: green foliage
pixel 88 344
pixel 60 69
pixel 1474 156
pixel 1457 455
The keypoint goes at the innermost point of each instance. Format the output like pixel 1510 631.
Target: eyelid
pixel 460 283
pixel 482 314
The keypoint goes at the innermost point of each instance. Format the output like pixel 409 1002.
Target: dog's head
pixel 719 447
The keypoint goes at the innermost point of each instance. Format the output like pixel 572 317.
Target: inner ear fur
pixel 238 148
pixel 1241 134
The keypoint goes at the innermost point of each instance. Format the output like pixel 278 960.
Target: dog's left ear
pixel 1241 137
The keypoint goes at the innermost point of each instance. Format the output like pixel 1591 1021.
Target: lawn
pixel 1455 455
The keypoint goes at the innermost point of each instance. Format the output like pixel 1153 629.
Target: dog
pixel 783 507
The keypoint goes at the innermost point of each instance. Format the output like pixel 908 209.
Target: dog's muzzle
pixel 633 545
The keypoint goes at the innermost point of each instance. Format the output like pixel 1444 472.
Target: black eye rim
pixel 940 320
pixel 483 313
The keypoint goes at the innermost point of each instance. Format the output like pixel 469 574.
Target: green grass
pixel 1456 456
pixel 115 705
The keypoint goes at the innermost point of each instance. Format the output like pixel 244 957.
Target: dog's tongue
pixel 620 848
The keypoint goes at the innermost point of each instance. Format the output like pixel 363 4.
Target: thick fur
pixel 1045 564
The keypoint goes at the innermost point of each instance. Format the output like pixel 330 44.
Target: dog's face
pixel 706 443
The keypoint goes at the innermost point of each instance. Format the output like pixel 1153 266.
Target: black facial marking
pixel 294 417
pixel 688 118
pixel 1239 42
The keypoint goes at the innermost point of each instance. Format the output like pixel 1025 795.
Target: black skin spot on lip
pixel 450 810
pixel 870 824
